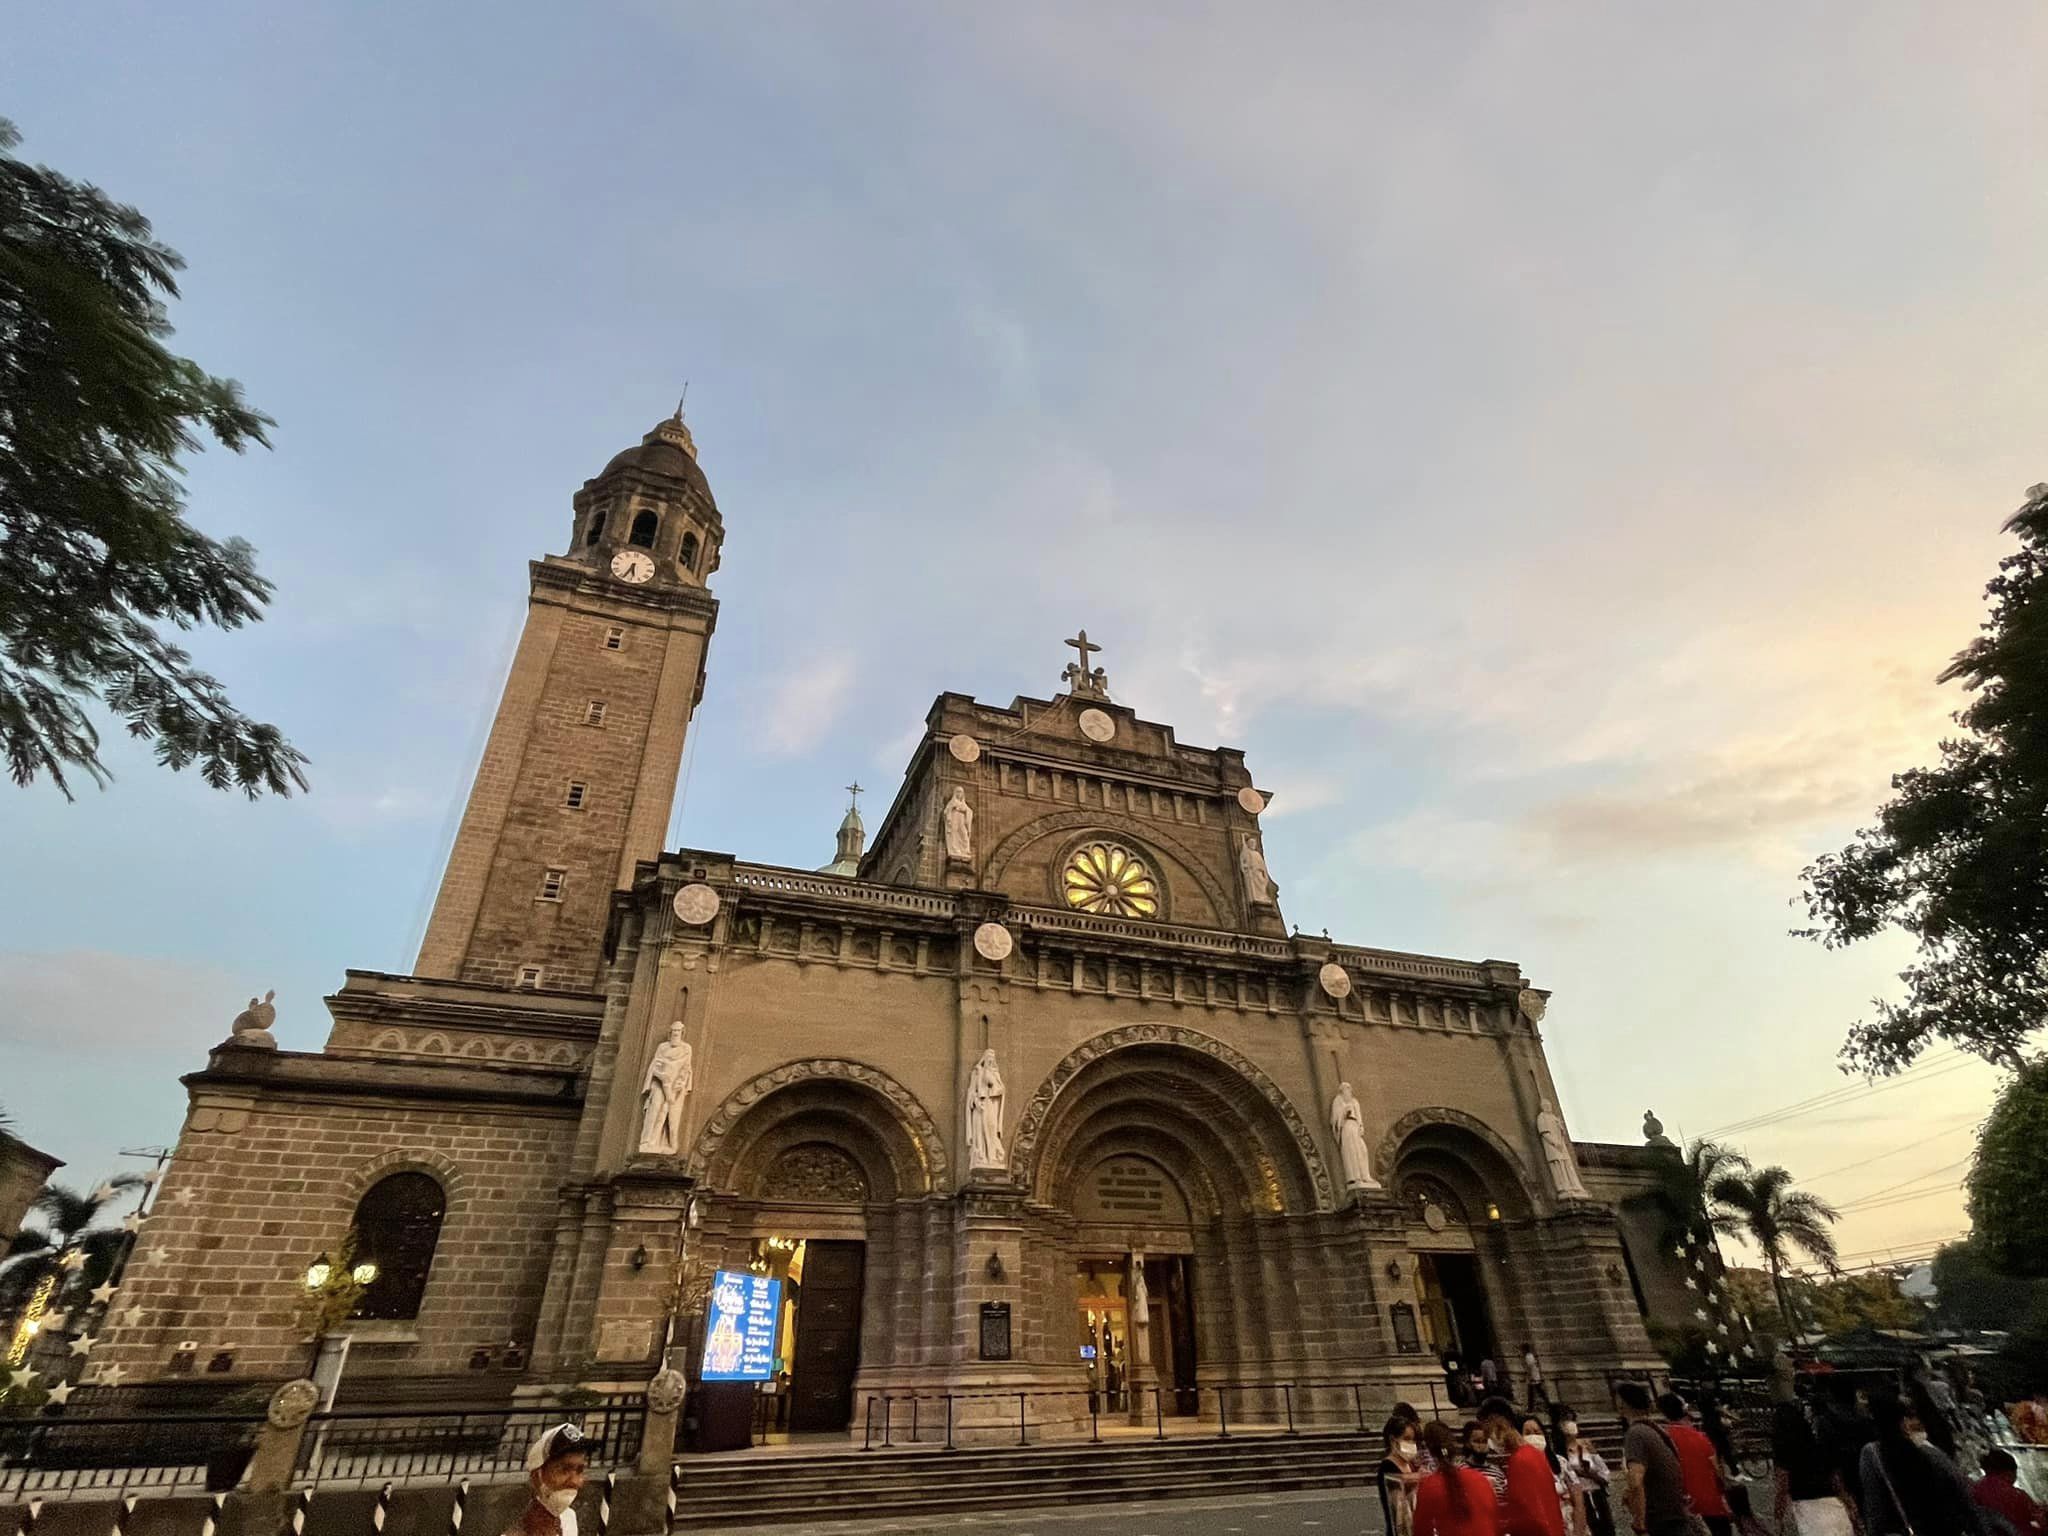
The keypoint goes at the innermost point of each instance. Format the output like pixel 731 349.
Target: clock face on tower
pixel 634 565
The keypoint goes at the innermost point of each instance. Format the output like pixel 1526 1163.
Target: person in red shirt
pixel 1531 1508
pixel 1702 1468
pixel 1454 1500
pixel 1998 1490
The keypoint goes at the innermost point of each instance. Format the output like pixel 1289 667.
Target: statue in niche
pixel 1347 1124
pixel 985 1115
pixel 959 822
pixel 1258 883
pixel 1557 1152
pixel 662 1093
pixel 1141 1298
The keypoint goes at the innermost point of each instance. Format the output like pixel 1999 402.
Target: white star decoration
pixel 110 1376
pixel 185 1194
pixel 54 1318
pixel 24 1378
pixel 132 1222
pixel 103 1293
pixel 1700 1313
pixel 159 1255
pixel 132 1316
pixel 1713 1348
pixel 72 1259
pixel 1722 1329
pixel 60 1394
pixel 82 1345
pixel 102 1193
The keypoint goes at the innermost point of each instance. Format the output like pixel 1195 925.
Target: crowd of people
pixel 1888 1465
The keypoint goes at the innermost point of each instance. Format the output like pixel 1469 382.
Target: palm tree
pixel 37 1254
pixel 1687 1187
pixel 1762 1208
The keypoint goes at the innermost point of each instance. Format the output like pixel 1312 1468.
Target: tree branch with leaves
pixel 96 556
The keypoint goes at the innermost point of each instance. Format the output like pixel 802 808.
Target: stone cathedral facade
pixel 1035 1090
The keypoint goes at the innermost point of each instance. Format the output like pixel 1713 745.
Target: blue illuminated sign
pixel 739 1341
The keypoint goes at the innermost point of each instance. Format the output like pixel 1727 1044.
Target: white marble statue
pixel 1557 1152
pixel 1141 1298
pixel 985 1115
pixel 1347 1124
pixel 959 819
pixel 662 1093
pixel 1258 883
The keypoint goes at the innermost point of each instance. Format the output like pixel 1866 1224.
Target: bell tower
pixel 579 774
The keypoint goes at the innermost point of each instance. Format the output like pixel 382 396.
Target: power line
pixel 1866 1198
pixel 1853 1093
pixel 1829 1096
pixel 1895 1151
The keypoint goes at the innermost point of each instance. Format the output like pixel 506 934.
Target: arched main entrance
pixel 802 1167
pixel 1179 1172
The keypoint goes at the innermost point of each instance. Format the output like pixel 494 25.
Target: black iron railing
pixel 368 1446
pixel 115 1453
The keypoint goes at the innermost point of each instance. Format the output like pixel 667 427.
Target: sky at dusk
pixel 1560 444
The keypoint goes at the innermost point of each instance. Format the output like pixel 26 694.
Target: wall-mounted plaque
pixel 995 1330
pixel 1407 1339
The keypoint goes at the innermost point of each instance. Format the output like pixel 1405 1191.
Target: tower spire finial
pixel 680 401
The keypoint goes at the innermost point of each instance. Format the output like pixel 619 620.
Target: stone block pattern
pixel 221 1259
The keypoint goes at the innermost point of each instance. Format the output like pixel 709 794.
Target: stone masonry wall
pixel 258 1188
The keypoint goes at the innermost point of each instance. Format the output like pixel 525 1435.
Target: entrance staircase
pixel 774 1488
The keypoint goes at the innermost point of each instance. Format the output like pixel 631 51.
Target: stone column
pixel 278 1437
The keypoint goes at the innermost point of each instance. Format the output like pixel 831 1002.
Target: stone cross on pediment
pixel 1083 681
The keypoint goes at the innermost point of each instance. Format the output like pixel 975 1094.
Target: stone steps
pixel 846 1485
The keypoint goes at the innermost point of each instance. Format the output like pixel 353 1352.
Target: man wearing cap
pixel 556 1465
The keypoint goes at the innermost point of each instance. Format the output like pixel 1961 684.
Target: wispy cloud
pixel 802 705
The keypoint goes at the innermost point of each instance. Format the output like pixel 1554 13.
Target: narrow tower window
pixel 594 530
pixel 615 638
pixel 397 1228
pixel 578 793
pixel 593 712
pixel 644 527
pixel 551 884
pixel 689 554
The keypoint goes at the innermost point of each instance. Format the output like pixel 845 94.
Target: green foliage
pixel 95 552
pixel 1971 1291
pixel 1762 1208
pixel 67 1223
pixel 1686 1184
pixel 2008 1181
pixel 1870 1300
pixel 1959 856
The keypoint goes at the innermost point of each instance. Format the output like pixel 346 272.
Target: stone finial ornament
pixel 1653 1130
pixel 252 1025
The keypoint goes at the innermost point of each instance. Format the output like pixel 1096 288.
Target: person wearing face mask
pixel 1910 1488
pixel 1399 1472
pixel 1591 1469
pixel 556 1465
pixel 1571 1498
pixel 1532 1507
pixel 1478 1458
pixel 1454 1500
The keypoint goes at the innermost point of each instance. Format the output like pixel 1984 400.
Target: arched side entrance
pixel 804 1168
pixel 1186 1191
pixel 1464 1195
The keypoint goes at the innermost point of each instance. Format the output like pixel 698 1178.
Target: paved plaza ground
pixel 1344 1512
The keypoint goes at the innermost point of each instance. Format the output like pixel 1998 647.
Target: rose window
pixel 1110 881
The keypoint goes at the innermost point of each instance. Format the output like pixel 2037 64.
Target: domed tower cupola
pixel 653 499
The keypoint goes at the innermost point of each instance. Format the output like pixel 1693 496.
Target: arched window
pixel 689 554
pixel 595 529
pixel 397 1225
pixel 643 529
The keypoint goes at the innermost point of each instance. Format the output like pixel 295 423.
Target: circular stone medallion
pixel 696 904
pixel 1335 979
pixel 1252 801
pixel 992 941
pixel 1531 1003
pixel 1097 726
pixel 1433 1217
pixel 965 748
